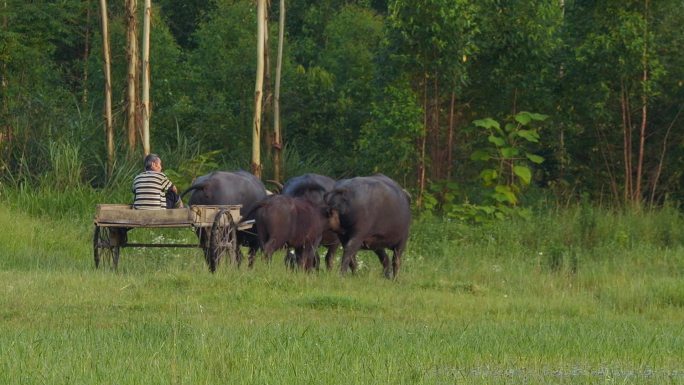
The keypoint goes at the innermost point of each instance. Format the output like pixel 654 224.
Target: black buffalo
pixel 230 188
pixel 371 213
pixel 314 187
pixel 284 221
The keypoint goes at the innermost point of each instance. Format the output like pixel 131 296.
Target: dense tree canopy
pixel 372 86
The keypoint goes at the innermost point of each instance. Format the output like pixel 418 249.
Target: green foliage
pixel 184 17
pixel 612 47
pixel 508 155
pixel 337 85
pixel 198 165
pixel 169 74
pixel 35 101
pixel 353 37
pixel 505 162
pixel 297 162
pixel 217 99
pixel 520 42
pixel 387 142
pixel 313 127
pixel 436 37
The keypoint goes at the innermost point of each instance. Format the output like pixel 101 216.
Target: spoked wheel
pixel 222 239
pixel 106 246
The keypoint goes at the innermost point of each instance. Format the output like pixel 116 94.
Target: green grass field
pixel 564 298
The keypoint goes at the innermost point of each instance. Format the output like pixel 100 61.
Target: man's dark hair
pixel 150 160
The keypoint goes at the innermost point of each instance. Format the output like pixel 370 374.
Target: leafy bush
pixel 506 160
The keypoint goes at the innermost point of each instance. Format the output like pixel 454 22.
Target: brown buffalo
pixel 313 187
pixel 284 221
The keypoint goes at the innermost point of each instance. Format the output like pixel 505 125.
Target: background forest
pixel 562 118
pixel 479 107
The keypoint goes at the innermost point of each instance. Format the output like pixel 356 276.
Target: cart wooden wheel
pixel 222 239
pixel 105 246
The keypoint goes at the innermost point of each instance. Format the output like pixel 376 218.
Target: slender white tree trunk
pixel 146 112
pixel 277 137
pixel 258 89
pixel 109 128
pixel 132 41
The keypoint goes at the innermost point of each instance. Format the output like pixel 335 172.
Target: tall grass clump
pixel 551 240
pixel 70 180
pixel 59 189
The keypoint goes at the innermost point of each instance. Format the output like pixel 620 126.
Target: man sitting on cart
pixel 152 188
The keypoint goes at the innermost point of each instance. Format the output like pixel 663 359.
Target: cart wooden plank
pixel 121 215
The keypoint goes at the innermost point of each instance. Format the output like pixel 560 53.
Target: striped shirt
pixel 150 189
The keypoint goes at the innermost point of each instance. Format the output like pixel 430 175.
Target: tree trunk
pixel 609 161
pixel 627 142
pixel 86 54
pixel 146 111
pixel 642 143
pixel 644 110
pixel 450 138
pixel 277 137
pixel 109 128
pixel 267 102
pixel 423 145
pixel 659 169
pixel 6 133
pixel 132 54
pixel 258 90
pixel 434 133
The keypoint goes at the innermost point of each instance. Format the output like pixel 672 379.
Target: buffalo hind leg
pixel 303 258
pixel 238 255
pixel 296 256
pixel 251 256
pixel 270 247
pixel 330 256
pixel 349 256
pixel 307 257
pixel 396 258
pixel 385 261
pixel 316 262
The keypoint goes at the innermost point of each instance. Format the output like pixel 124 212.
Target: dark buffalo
pixel 310 186
pixel 230 188
pixel 313 187
pixel 284 221
pixel 371 213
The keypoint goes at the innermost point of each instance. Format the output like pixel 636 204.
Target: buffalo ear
pixel 326 197
pixel 333 198
pixel 340 201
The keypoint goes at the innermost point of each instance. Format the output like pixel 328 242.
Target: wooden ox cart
pixel 216 225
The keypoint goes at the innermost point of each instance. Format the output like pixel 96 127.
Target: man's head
pixel 152 162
